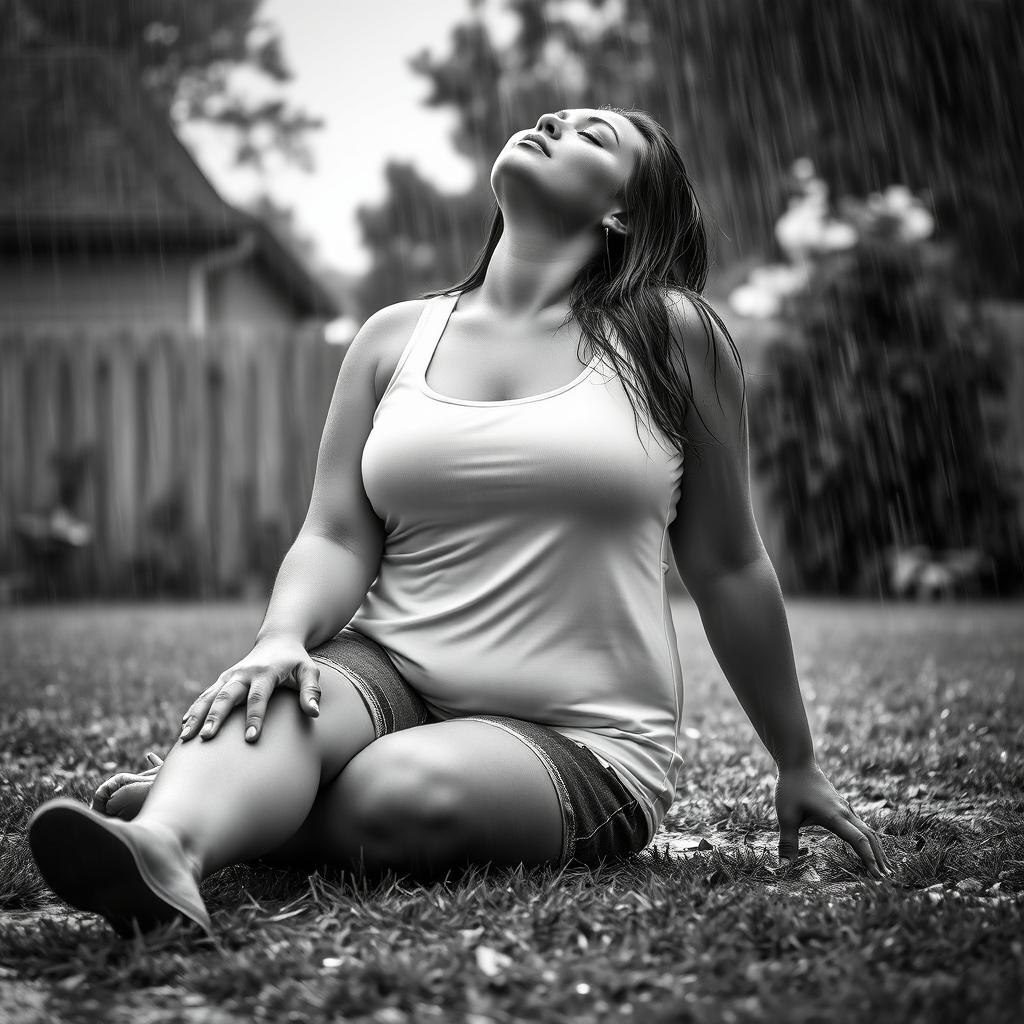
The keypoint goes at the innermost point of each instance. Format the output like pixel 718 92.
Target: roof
pixel 89 158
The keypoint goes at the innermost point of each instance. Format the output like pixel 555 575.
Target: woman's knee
pixel 394 787
pixel 389 809
pixel 437 796
pixel 376 809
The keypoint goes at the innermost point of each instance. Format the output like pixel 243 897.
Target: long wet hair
pixel 666 250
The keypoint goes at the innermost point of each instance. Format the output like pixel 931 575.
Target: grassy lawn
pixel 917 714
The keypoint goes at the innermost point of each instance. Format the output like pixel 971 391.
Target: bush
pixel 880 420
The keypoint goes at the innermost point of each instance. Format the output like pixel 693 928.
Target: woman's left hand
pixel 804 796
pixel 123 795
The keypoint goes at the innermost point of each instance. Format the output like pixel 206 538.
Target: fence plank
pixel 220 422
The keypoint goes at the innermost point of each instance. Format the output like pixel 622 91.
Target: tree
pixel 185 53
pixel 421 237
pixel 914 91
pixel 875 91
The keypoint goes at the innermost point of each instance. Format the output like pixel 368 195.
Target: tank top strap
pixel 428 332
pixel 419 348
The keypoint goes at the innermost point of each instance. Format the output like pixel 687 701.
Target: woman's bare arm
pixel 336 556
pixel 720 555
pixel 723 562
pixel 319 586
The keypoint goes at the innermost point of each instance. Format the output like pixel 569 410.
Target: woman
pixel 489 531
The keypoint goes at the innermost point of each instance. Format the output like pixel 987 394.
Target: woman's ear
pixel 616 222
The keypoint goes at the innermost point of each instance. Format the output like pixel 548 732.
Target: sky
pixel 350 64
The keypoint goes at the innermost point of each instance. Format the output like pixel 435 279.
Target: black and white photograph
pixel 511 511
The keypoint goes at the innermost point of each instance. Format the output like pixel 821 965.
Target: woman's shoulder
pixel 684 307
pixel 703 353
pixel 695 326
pixel 381 340
pixel 392 319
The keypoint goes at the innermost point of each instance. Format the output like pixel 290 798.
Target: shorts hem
pixel 369 699
pixel 568 815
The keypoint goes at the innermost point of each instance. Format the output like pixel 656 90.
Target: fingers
pixel 260 689
pixel 789 841
pixel 309 690
pixel 106 789
pixel 848 831
pixel 122 794
pixel 111 796
pixel 876 843
pixel 128 800
pixel 224 701
pixel 209 710
pixel 196 714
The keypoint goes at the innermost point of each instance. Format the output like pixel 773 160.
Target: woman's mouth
pixel 535 141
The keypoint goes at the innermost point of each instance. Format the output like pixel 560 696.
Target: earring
pixel 607 254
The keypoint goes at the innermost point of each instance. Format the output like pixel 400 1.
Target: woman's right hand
pixel 273 662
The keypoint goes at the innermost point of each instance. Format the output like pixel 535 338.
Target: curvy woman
pixel 474 612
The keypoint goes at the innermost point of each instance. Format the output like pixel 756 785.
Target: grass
pixel 918 717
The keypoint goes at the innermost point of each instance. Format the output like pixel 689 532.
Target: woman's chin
pixel 512 171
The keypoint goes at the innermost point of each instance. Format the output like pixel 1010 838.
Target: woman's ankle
pixel 182 846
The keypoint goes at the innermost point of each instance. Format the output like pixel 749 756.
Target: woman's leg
pixel 228 801
pixel 435 797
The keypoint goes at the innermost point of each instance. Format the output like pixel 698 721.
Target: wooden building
pixel 145 320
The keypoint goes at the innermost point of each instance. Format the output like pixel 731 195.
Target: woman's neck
pixel 530 273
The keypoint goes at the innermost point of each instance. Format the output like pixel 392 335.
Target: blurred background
pixel 201 203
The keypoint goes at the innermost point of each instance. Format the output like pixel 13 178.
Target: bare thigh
pixel 435 797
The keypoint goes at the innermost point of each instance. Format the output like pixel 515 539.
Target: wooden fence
pixel 203 451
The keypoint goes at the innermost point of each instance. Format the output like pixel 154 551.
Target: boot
pixel 128 873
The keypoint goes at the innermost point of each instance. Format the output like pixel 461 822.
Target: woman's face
pixel 589 155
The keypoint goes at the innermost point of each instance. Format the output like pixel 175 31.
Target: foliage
pixel 882 415
pixel 917 716
pixel 880 91
pixel 421 237
pixel 186 54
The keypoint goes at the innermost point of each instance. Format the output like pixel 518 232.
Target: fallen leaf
pixel 490 961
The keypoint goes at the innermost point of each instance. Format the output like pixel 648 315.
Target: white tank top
pixel 524 561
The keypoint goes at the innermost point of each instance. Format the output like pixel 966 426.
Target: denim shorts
pixel 601 820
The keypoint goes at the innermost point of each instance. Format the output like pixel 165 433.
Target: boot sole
pixel 89 864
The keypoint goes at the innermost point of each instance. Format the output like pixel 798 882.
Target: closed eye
pixel 593 138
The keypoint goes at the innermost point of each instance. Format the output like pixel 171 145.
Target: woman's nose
pixel 550 124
